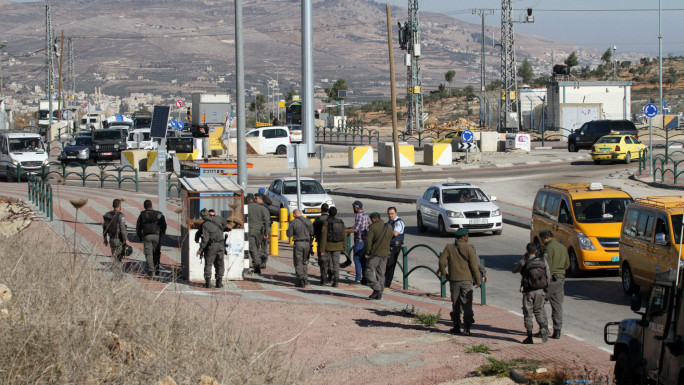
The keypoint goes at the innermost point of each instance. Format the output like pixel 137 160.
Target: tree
pixel 572 61
pixel 494 85
pixel 339 85
pixel 525 72
pixel 258 106
pixel 672 77
pixel 449 76
pixel 289 95
pixel 607 56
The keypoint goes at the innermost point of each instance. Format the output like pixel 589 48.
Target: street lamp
pixel 269 87
pixel 2 47
pixel 614 63
pixel 277 87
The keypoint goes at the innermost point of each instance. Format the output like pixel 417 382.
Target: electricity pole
pixel 508 74
pixel 483 84
pixel 49 81
pixel 409 40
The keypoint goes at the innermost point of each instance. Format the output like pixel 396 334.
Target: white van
pixel 139 139
pixel 24 149
pixel 269 140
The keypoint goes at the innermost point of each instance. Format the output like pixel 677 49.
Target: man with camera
pixel 557 258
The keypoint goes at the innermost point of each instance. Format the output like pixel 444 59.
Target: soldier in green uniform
pixel 114 226
pixel 331 245
pixel 461 267
pixel 558 260
pixel 259 222
pixel 376 250
pixel 213 245
pixel 301 231
pixel 150 229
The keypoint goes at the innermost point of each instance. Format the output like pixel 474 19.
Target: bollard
pixel 283 224
pixel 274 238
pixel 291 239
pixel 314 244
pixel 483 286
pixel 404 266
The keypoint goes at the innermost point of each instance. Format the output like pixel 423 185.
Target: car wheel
pixel 419 223
pixel 624 374
pixel 628 158
pixel 8 175
pixel 442 227
pixel 628 285
pixel 574 269
pixel 497 232
pixel 572 147
pixel 281 150
pixel 597 162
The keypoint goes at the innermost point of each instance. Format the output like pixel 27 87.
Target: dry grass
pixel 111 332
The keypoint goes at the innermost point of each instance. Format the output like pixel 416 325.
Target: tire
pixel 281 150
pixel 419 223
pixel 572 147
pixel 8 175
pixel 628 158
pixel 628 285
pixel 497 232
pixel 597 162
pixel 442 227
pixel 574 269
pixel 624 374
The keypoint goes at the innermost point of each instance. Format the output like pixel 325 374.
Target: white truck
pixel 209 109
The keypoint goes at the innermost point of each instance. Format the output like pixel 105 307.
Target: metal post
pixel 307 77
pixel 161 176
pixel 240 97
pixel 395 131
pixel 650 145
pixel 296 148
pixel 404 266
pixel 483 286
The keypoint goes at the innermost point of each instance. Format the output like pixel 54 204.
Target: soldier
pixel 535 278
pixel 461 267
pixel 150 229
pixel 259 222
pixel 301 230
pixel 557 258
pixel 213 245
pixel 323 259
pixel 332 243
pixel 114 225
pixel 376 251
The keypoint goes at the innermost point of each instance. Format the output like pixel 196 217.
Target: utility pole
pixel 240 97
pixel 49 82
pixel 508 74
pixel 393 93
pixel 309 137
pixel 409 40
pixel 59 94
pixel 483 84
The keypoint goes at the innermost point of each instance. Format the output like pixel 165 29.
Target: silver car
pixel 453 206
pixel 283 193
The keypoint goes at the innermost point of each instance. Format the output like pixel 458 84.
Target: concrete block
pixel 134 158
pixel 437 154
pixel 488 141
pixel 407 156
pixel 360 156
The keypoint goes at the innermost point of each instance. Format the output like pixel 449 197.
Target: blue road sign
pixel 174 124
pixel 180 124
pixel 650 110
pixel 467 136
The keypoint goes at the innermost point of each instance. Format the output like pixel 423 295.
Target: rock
pixel 167 381
pixel 206 380
pixel 4 313
pixel 14 216
pixel 5 296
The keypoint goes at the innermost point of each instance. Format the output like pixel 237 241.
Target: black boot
pixel 466 329
pixel 374 295
pixel 299 282
pixel 257 269
pixel 379 295
pixel 456 329
pixel 219 284
pixel 556 334
pixel 544 333
pixel 334 282
pixel 528 340
pixel 305 281
pixel 207 283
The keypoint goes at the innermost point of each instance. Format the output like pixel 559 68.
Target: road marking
pixel 516 313
pixel 606 349
pixel 574 336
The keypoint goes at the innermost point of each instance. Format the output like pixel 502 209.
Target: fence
pixel 107 171
pixel 40 194
pixel 348 134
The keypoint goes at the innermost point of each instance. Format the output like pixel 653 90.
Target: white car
pixel 283 193
pixel 140 139
pixel 452 206
pixel 271 139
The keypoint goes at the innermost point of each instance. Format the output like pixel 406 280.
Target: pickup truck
pixel 295 133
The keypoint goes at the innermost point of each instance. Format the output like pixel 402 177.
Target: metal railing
pixel 40 194
pixel 105 173
pixel 348 134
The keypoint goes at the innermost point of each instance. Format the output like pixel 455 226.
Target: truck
pixel 208 109
pixel 44 112
pixel 650 349
pixel 91 121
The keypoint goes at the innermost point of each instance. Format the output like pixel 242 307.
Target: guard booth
pixel 226 197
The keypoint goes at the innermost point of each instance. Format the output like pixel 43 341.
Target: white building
pixel 531 100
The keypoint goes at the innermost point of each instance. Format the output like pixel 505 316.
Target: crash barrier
pixel 442 280
pixel 664 166
pixel 40 194
pixel 105 172
pixel 407 156
pixel 274 239
pixel 170 183
pixel 360 156
pixel 437 154
pixel 352 133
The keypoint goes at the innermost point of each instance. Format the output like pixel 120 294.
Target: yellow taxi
pixel 449 137
pixel 616 147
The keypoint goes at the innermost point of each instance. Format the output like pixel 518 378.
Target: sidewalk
pixel 334 334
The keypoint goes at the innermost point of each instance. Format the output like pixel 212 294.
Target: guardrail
pixel 40 194
pixel 348 134
pixel 106 172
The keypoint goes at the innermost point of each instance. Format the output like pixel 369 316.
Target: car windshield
pixel 610 139
pixel 81 141
pixel 600 210
pixel 462 195
pixel 26 145
pixel 307 186
pixel 107 135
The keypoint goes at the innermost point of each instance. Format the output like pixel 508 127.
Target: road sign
pixel 650 110
pixel 320 152
pixel 319 110
pixel 467 136
pixel 174 124
pixel 179 103
pixel 466 146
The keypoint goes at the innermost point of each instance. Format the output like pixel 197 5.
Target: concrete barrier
pixel 489 141
pixel 437 154
pixel 134 158
pixel 360 156
pixel 407 156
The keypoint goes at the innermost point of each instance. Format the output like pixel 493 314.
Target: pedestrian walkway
pixel 499 329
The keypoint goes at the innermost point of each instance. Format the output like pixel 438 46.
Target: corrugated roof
pixel 210 184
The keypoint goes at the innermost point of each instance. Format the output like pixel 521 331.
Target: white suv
pixel 452 206
pixel 271 139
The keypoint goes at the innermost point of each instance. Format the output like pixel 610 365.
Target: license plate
pixel 605 149
pixel 106 153
pixel 71 156
pixel 616 259
pixel 313 210
pixel 478 221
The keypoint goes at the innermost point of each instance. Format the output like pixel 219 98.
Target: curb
pixel 656 184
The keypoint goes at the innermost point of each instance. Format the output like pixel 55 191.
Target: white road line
pixel 606 349
pixel 516 313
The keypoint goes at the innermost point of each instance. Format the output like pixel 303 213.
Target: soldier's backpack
pixel 335 230
pixel 111 222
pixel 534 274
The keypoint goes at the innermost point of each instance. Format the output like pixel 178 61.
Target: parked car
pixel 295 133
pixel 617 147
pixel 591 132
pixel 272 139
pixel 283 193
pixel 452 206
pixel 108 144
pixel 78 150
pixel 23 149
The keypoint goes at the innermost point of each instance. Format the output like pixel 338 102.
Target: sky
pixel 630 25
